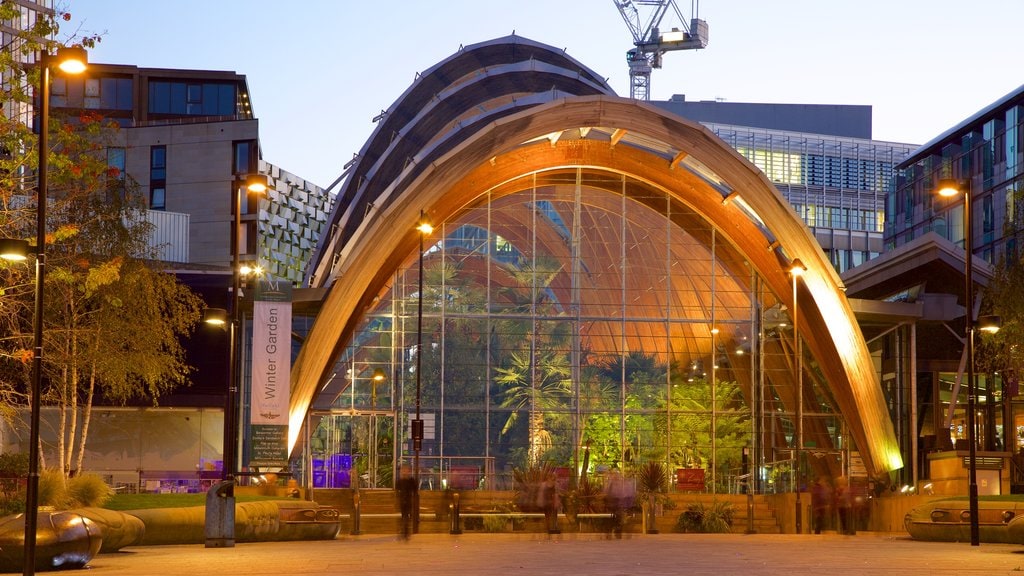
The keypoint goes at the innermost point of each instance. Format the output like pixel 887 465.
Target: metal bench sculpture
pixel 63 540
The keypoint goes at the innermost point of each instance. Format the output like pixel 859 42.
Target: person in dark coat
pixel 406 489
pixel 821 503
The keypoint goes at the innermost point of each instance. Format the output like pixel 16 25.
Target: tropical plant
pixel 697 517
pixel 651 478
pixel 528 486
pixel 705 413
pixel 585 497
pixel 552 389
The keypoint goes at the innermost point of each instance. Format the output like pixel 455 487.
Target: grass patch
pixel 148 501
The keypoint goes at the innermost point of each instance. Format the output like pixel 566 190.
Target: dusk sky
pixel 318 76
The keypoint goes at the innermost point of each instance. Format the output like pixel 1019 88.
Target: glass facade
pixel 192 98
pixel 985 150
pixel 837 185
pixel 989 153
pixel 585 321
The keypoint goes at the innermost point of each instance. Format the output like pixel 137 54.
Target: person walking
pixel 821 503
pixel 406 490
pixel 844 503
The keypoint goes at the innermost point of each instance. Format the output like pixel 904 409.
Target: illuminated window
pixel 780 167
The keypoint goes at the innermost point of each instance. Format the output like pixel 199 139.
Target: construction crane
pixel 644 20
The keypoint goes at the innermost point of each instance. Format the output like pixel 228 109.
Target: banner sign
pixel 271 371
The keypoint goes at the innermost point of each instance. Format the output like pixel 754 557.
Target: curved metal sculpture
pixel 949 521
pixel 63 540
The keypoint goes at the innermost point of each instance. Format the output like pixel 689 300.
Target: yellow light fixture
pixel 257 183
pixel 72 59
pixel 990 324
pixel 424 226
pixel 797 268
pixel 215 316
pixel 379 375
pixel 949 187
pixel 13 249
pixel 250 269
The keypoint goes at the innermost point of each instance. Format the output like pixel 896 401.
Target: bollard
pixel 799 515
pixel 456 527
pixel 750 512
pixel 355 512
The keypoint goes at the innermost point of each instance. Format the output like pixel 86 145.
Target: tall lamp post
pixel 71 60
pixel 425 228
pixel 220 525
pixel 796 269
pixel 377 378
pixel 951 188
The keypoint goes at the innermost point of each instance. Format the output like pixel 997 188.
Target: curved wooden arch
pixel 494 156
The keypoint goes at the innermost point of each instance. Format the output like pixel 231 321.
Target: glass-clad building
pixel 606 285
pixel 985 153
pixel 581 322
pixel 837 185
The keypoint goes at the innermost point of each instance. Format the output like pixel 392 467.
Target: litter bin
pixel 220 515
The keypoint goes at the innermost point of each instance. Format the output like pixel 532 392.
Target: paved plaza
pixel 570 554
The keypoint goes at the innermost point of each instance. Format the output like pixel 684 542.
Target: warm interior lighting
pixel 72 59
pixel 257 183
pixel 215 316
pixel 13 249
pixel 948 187
pixel 379 375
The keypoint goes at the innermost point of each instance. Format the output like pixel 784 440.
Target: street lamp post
pixel 951 188
pixel 796 269
pixel 376 379
pixel 71 60
pixel 220 526
pixel 425 228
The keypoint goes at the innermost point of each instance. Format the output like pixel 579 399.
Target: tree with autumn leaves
pixel 114 320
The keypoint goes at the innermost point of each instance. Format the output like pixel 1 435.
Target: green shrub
pixel 699 518
pixel 87 490
pixel 13 470
pixel 52 489
pixel 495 523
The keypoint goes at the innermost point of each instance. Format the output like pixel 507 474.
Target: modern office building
pixel 188 139
pixel 986 149
pixel 823 160
pixel 924 268
pixel 13 38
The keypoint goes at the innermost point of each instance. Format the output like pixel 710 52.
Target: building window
pixel 158 198
pixel 193 98
pixel 115 160
pixel 115 171
pixel 244 158
pixel 106 93
pixel 988 216
pixel 245 161
pixel 158 178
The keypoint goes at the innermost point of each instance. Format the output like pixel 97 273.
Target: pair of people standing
pixel 824 497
